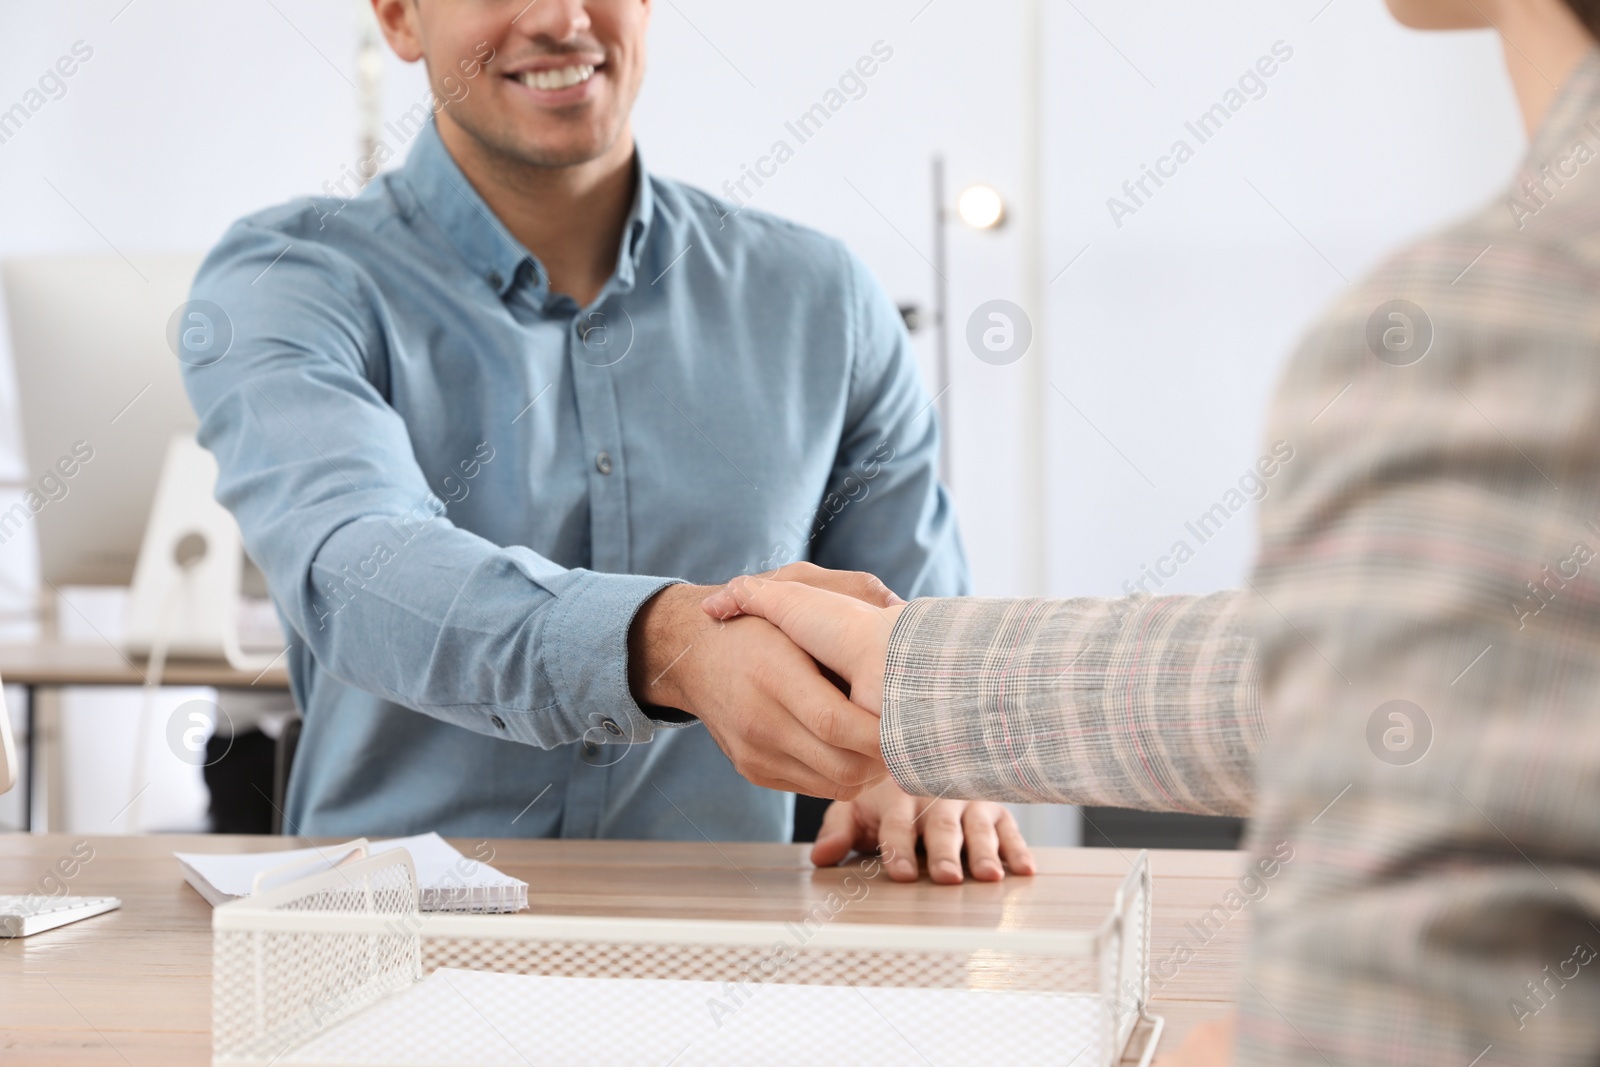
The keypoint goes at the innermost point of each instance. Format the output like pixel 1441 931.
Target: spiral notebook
pixel 446 880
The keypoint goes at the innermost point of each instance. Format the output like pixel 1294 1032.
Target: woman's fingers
pixel 858 585
pixel 834 630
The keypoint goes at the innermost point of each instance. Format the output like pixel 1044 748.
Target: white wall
pixel 1170 329
pixel 1165 333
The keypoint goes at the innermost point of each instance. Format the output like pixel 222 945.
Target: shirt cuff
pixel 586 655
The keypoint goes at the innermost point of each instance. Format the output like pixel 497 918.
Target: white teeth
pixel 562 78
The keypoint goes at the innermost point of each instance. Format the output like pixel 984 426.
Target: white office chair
pixel 43 908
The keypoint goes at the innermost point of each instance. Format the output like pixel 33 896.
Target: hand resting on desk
pixel 888 820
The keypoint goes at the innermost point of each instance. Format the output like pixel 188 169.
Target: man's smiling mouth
pixel 558 77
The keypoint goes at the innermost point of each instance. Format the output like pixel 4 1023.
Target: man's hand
pixel 887 819
pixel 847 635
pixel 764 701
pixel 843 619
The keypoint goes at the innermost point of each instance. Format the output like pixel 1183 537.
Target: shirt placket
pixel 589 355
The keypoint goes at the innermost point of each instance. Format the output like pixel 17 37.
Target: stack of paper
pixel 446 880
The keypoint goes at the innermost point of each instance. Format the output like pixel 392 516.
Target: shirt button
pixel 495 280
pixel 612 728
pixel 602 463
pixel 499 723
pixel 591 749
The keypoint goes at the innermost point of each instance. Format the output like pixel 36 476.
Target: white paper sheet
pixel 446 880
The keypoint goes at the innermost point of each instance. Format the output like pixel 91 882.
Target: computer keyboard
pixel 21 916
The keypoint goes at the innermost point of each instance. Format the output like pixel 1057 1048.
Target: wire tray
pixel 341 969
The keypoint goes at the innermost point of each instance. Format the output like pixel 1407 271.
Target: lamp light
pixel 981 207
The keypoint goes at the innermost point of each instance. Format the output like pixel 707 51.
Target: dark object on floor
pixel 1123 828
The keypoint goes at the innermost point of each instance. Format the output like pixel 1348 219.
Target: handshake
pixel 784 669
pixel 786 672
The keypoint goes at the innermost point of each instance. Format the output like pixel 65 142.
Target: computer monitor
pixel 95 376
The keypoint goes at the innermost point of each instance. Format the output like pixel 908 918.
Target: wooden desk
pixel 132 988
pixel 62 664
pixel 42 669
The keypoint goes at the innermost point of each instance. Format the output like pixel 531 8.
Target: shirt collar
pixel 640 217
pixel 483 241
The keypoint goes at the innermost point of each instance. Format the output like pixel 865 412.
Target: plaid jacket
pixel 1409 691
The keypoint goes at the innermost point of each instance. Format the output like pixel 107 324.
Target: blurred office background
pixel 1157 333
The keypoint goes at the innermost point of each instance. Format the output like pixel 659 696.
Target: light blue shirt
pixel 462 487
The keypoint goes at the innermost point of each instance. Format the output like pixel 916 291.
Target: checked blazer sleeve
pixel 1148 702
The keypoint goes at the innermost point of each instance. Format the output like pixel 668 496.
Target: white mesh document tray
pixel 341 969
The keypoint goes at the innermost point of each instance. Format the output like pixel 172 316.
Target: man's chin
pixel 546 155
pixel 545 148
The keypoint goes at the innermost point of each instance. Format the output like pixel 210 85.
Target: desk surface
pixel 133 987
pixel 99 663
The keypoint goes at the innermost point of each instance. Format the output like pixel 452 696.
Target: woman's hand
pixel 842 631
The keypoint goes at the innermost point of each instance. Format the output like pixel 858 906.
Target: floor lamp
pixel 982 208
